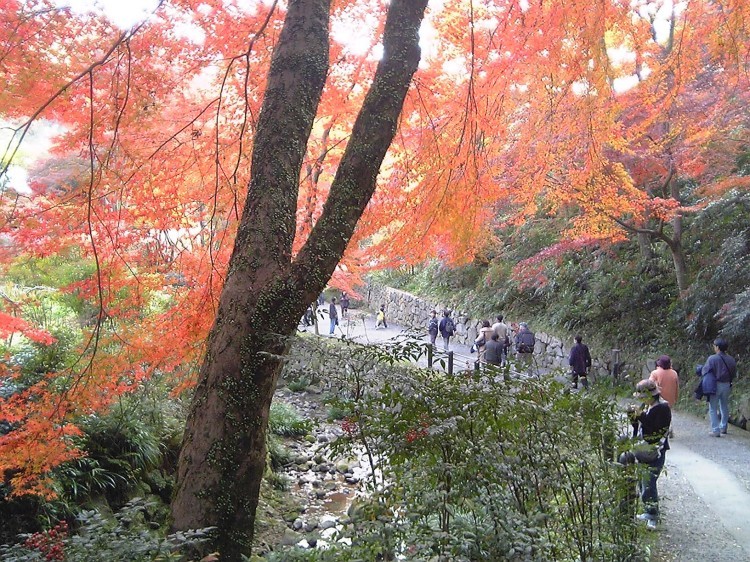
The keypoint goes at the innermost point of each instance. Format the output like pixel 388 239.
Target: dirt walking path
pixel 705 495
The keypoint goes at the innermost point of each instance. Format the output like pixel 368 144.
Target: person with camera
pixel 651 421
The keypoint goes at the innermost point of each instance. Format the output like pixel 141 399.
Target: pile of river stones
pixel 327 487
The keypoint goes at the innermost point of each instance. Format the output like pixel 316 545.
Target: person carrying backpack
pixel 718 372
pixel 380 318
pixel 447 329
pixel 432 327
pixel 525 342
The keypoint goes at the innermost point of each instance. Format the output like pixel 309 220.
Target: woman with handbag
pixel 652 421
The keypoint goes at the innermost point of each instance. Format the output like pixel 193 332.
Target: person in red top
pixel 667 380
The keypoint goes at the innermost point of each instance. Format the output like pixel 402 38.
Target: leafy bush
pixel 121 448
pixel 299 385
pixel 285 421
pixel 34 360
pixel 130 450
pixel 487 469
pixel 279 455
pixel 130 535
pixel 721 246
pixel 479 468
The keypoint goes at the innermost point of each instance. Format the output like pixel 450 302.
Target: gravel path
pixel 705 495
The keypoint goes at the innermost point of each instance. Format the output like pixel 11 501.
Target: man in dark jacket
pixel 333 314
pixel 447 328
pixel 525 342
pixel 723 368
pixel 493 350
pixel 580 363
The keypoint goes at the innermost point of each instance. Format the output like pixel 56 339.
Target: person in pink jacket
pixel 666 377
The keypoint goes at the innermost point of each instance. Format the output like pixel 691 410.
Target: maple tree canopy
pixel 516 106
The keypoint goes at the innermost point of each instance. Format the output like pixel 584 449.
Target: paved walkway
pixel 705 494
pixel 359 326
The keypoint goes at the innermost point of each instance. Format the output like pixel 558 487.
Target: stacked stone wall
pixel 414 312
pixel 550 351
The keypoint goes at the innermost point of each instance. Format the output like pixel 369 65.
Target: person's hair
pixel 665 362
pixel 433 312
pixel 485 323
pixel 494 337
pixel 333 299
pixel 446 313
pixel 578 339
pixel 721 343
pixel 648 386
pixel 499 317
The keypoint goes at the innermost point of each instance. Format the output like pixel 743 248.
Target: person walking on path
pixel 503 336
pixel 380 318
pixel 666 379
pixel 485 333
pixel 580 362
pixel 344 304
pixel 432 327
pixel 722 368
pixel 652 421
pixel 525 342
pixel 333 315
pixel 446 328
pixel 493 350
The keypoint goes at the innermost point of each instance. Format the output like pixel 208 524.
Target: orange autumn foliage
pixel 517 107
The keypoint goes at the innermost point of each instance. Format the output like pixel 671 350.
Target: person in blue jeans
pixel 723 368
pixel 333 315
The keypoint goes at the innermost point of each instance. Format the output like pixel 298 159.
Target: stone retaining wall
pixel 550 351
pixel 414 312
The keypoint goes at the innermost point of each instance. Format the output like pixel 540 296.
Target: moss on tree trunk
pixel 266 291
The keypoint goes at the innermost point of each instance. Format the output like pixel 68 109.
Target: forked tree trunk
pixel 266 292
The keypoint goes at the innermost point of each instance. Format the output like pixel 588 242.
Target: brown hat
pixel 647 386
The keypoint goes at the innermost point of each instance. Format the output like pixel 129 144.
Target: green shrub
pixel 484 469
pixel 131 535
pixel 285 421
pixel 298 385
pixel 279 455
pixel 337 411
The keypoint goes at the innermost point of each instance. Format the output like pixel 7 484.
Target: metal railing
pixel 451 359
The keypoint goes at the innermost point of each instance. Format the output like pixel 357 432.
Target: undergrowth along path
pixel 704 489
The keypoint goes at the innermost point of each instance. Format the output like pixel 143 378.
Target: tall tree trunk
pixel 675 245
pixel 680 265
pixel 266 292
pixel 644 243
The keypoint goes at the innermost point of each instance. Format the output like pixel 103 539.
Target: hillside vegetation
pixel 623 295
